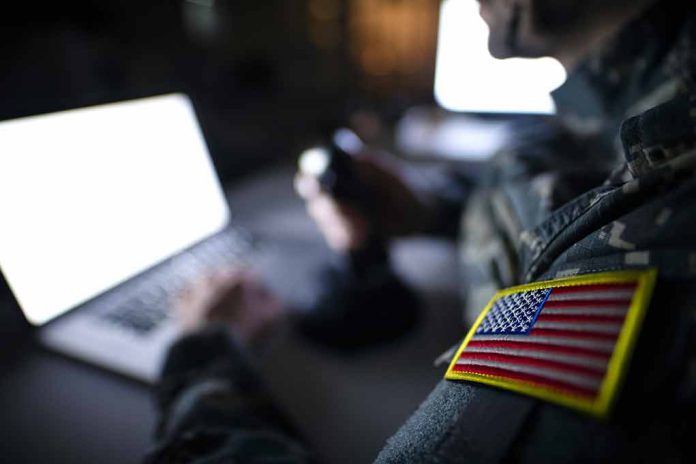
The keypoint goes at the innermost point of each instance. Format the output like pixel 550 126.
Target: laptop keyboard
pixel 139 315
pixel 143 304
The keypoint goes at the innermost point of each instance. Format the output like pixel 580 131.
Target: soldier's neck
pixel 603 31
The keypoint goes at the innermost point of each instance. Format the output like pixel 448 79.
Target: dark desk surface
pixel 57 410
pixel 60 411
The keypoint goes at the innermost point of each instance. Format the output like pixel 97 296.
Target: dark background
pixel 265 76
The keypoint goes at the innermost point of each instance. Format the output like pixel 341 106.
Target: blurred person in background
pixel 606 185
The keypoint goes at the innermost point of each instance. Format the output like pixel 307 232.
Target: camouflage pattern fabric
pixel 538 185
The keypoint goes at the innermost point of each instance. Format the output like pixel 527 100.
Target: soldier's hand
pixel 398 209
pixel 235 299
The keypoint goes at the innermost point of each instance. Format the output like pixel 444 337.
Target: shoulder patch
pixel 567 341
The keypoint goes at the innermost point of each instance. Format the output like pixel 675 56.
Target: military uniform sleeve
pixel 213 406
pixel 651 420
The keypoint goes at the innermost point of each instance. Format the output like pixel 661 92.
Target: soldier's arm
pixel 213 405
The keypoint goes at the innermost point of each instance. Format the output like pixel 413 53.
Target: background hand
pixel 398 210
pixel 235 299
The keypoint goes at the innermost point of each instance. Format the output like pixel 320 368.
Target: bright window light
pixel 468 78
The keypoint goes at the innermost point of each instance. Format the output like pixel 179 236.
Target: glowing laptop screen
pixel 468 78
pixel 94 196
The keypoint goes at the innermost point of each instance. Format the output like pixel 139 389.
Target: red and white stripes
pixel 568 347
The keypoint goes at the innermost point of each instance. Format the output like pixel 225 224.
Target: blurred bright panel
pixel 468 78
pixel 93 196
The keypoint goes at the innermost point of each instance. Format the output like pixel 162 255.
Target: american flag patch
pixel 567 341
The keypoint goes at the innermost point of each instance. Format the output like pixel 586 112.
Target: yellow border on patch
pixel 618 363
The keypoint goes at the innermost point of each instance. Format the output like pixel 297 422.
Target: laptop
pixel 107 212
pixel 483 96
pixel 469 79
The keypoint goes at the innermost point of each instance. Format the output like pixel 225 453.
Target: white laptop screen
pixel 468 78
pixel 92 197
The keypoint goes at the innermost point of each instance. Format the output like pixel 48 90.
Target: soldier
pixel 600 365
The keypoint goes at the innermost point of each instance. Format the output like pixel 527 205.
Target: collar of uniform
pixel 612 83
pixel 660 135
pixel 667 131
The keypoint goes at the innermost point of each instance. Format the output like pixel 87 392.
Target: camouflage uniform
pixel 543 212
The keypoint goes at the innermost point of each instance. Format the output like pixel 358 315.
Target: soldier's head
pixel 532 28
